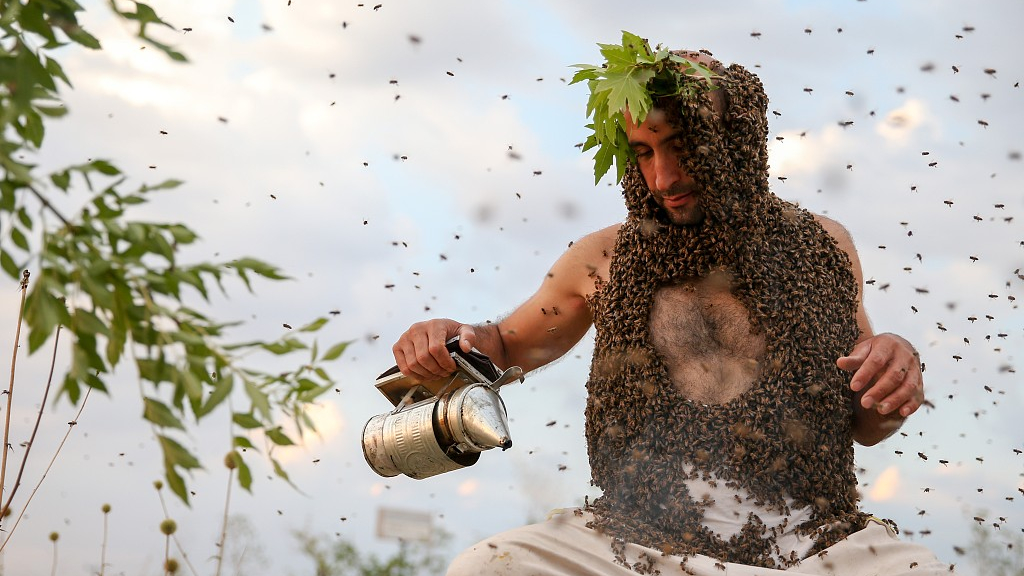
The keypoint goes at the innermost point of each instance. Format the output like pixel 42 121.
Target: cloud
pixel 801 153
pixel 886 485
pixel 900 124
pixel 468 487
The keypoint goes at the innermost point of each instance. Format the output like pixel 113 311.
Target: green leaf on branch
pixel 154 370
pixel 145 15
pixel 246 420
pixel 176 456
pixel 55 70
pixel 244 474
pixel 335 352
pixel 279 437
pixel 279 471
pixel 243 266
pixel 80 36
pixel 104 167
pixel 165 185
pixel 225 384
pixel 283 346
pixel 19 239
pixel 33 129
pixel 158 413
pixel 182 234
pixel 43 312
pixel 61 179
pixel 52 111
pixel 9 266
pixel 314 325
pixel 243 442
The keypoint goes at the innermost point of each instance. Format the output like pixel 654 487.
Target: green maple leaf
pixel 627 82
pixel 626 91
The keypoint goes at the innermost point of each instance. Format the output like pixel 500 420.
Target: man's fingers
pixel 855 358
pixel 905 398
pixel 421 354
pixel 898 388
pixel 433 355
pixel 407 364
pixel 467 337
pixel 871 369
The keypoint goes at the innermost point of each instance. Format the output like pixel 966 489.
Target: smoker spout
pixel 481 422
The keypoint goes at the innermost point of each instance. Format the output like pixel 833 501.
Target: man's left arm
pixel 887 383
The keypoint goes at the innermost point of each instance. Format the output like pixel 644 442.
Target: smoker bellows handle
pixel 513 373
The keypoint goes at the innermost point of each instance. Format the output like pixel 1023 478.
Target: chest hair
pixel 704 335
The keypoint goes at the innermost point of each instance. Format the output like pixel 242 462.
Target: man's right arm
pixel 539 331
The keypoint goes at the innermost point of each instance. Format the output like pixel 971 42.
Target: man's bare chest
pixel 704 335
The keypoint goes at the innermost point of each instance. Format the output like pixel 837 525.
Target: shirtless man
pixel 713 355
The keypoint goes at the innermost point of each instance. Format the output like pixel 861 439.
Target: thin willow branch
pixel 39 418
pixel 10 387
pixel 46 203
pixel 71 426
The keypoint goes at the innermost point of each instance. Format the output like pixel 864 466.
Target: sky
pixel 411 160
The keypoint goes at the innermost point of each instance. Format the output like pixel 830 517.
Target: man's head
pixel 661 153
pixel 661 159
pixel 701 155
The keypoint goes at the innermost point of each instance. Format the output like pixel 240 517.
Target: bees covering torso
pixel 674 395
pixel 711 370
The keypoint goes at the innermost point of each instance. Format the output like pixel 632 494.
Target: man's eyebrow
pixel 674 135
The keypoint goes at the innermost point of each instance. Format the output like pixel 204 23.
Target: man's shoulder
pixel 587 261
pixel 837 231
pixel 598 242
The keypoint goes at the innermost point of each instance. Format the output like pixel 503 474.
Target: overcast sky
pixel 419 159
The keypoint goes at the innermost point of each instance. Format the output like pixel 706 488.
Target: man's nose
pixel 667 172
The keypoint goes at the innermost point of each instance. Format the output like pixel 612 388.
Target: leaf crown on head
pixel 632 76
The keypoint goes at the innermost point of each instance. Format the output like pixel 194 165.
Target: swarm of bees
pixel 790 433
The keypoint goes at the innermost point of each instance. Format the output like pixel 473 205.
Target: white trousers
pixel 564 546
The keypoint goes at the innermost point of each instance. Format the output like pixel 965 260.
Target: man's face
pixel 659 151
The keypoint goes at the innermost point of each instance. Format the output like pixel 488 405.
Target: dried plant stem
pixel 10 387
pixel 39 418
pixel 53 570
pixel 174 536
pixel 71 426
pixel 103 548
pixel 224 522
pixel 167 554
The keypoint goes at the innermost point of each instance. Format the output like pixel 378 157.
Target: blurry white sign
pixel 403 524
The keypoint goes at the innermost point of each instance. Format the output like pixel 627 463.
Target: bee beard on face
pixel 689 214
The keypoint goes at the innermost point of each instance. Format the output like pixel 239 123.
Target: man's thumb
pixel 466 337
pixel 855 358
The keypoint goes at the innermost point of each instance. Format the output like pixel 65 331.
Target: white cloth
pixel 564 546
pixel 729 508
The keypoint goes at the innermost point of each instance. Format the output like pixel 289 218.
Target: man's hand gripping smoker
pixel 439 425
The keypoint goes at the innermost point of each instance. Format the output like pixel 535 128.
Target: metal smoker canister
pixel 439 427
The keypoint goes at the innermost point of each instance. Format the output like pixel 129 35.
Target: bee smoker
pixel 440 425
